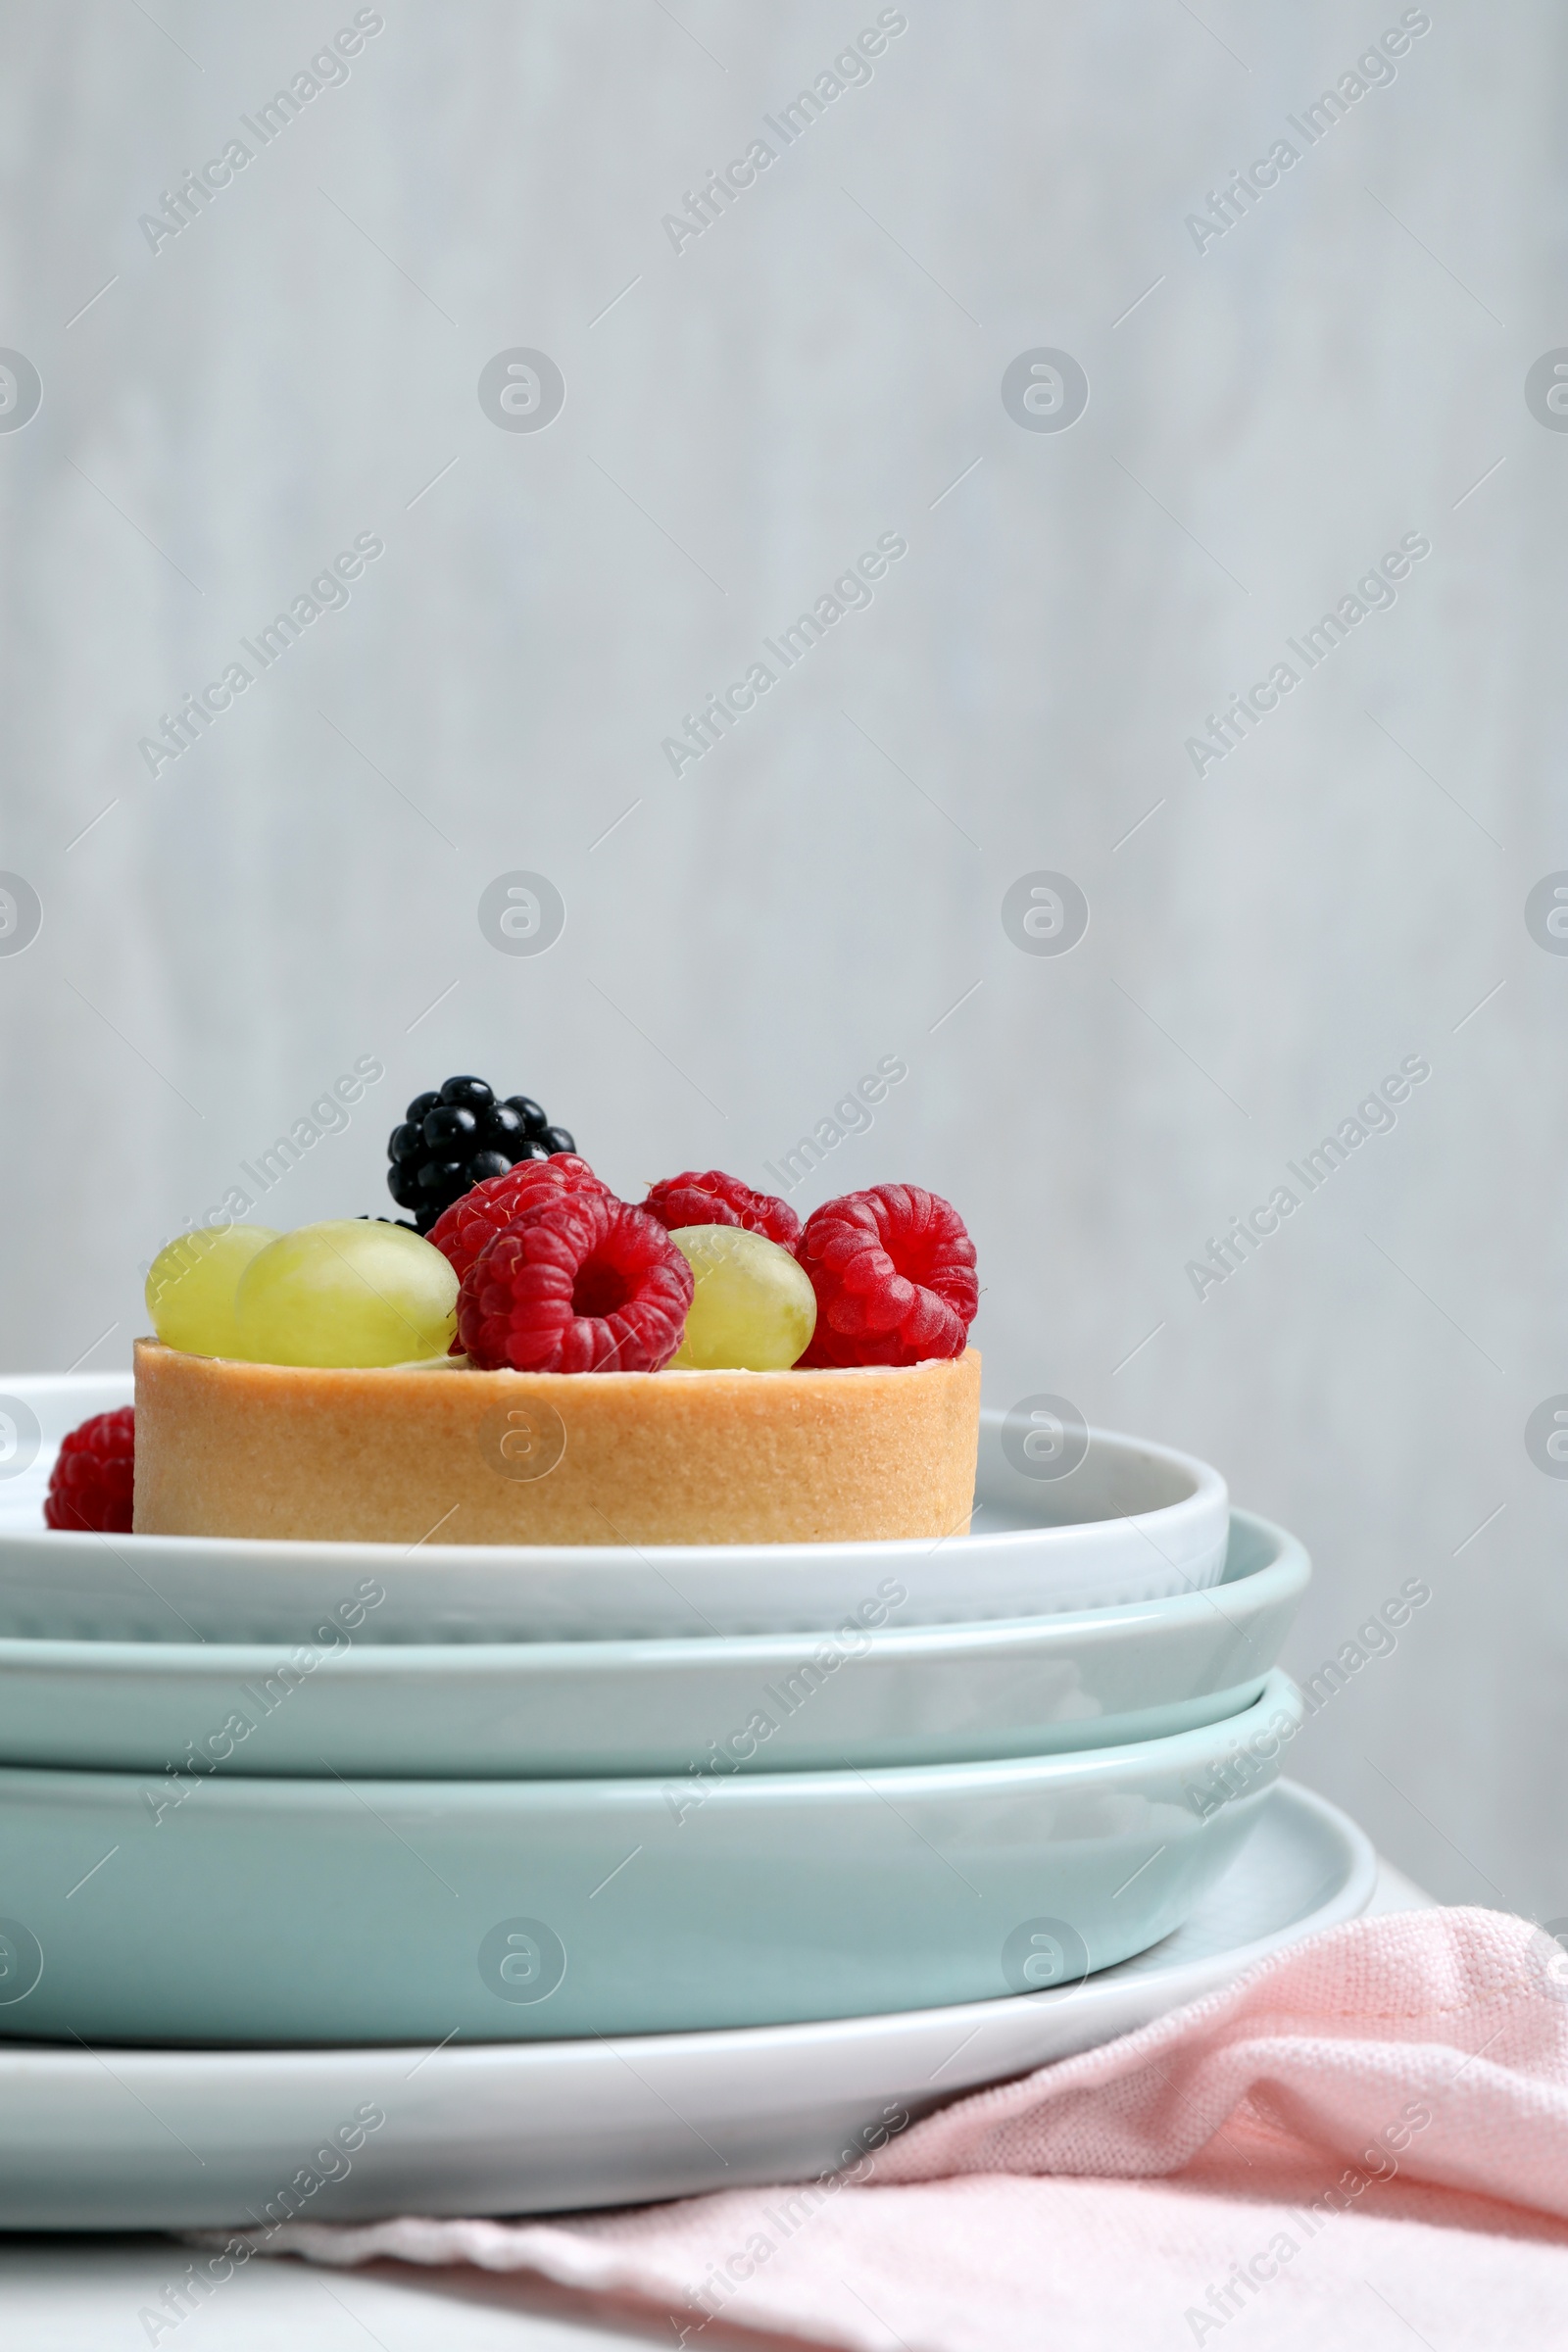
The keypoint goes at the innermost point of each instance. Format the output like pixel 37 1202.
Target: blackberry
pixel 452 1139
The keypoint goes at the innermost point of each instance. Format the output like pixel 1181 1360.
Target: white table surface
pixel 83 2294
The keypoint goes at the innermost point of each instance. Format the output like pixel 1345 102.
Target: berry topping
pixel 755 1309
pixel 714 1199
pixel 892 1270
pixel 191 1285
pixel 449 1129
pixel 577 1282
pixel 537 1125
pixel 462 1230
pixel 91 1485
pixel 471 1092
pixel 507 1128
pixel 347 1291
pixel 461 1136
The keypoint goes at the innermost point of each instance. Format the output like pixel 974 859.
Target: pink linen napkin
pixel 1362 2144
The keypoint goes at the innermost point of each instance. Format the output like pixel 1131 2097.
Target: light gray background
pixel 822 890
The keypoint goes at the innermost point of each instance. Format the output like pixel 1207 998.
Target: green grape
pixel 191 1285
pixel 348 1292
pixel 755 1309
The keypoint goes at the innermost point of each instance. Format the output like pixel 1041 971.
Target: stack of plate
pixel 335 1795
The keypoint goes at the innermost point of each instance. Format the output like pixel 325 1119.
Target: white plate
pixel 1132 1522
pixel 145 2139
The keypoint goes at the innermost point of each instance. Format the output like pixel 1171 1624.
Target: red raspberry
pixel 462 1230
pixel 578 1282
pixel 92 1481
pixel 719 1200
pixel 892 1270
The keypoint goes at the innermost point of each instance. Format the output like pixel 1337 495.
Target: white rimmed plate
pixel 1133 1521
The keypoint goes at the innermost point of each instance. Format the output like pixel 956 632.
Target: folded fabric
pixel 1363 2142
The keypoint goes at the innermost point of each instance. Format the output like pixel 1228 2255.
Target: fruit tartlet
pixel 535 1361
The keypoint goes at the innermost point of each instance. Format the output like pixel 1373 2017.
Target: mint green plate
pixel 332 1911
pixel 926 1694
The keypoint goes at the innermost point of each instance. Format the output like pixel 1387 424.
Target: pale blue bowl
pixel 924 1694
pixel 329 1911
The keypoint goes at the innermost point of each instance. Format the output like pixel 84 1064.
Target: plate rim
pixel 1276 1579
pixel 281 1794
